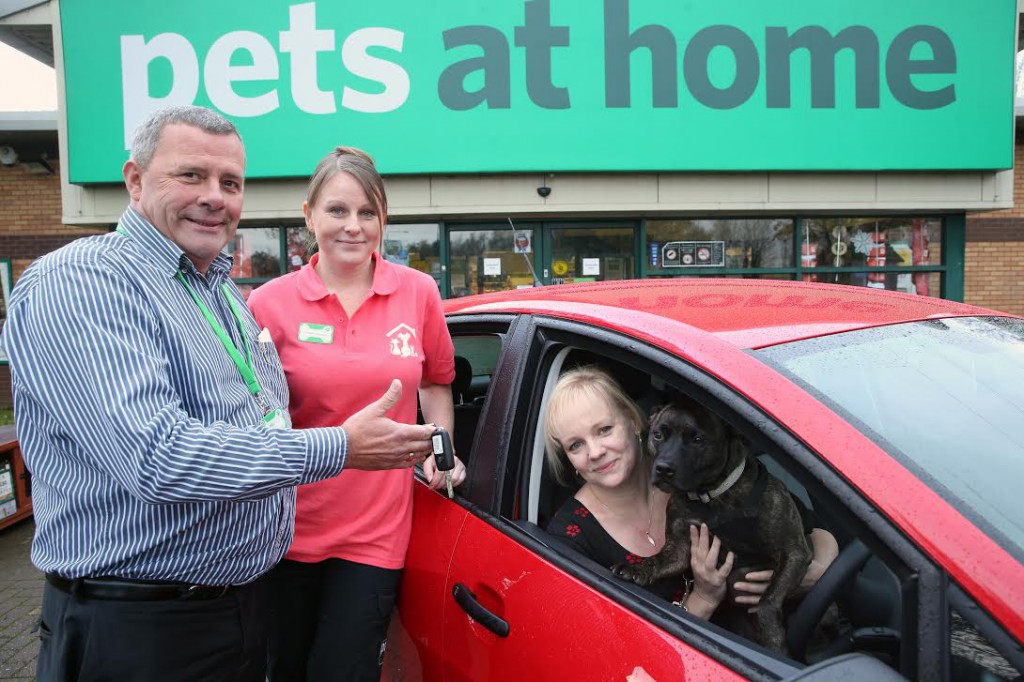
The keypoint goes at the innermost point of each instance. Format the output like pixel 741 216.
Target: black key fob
pixel 444 453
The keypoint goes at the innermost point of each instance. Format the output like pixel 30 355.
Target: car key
pixel 444 455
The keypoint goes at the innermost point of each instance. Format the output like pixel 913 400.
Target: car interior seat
pixel 462 381
pixel 467 412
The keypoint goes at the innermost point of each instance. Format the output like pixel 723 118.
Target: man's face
pixel 191 190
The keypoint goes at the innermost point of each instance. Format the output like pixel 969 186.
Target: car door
pixel 481 597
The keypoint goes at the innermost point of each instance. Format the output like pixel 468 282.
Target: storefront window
pixel 256 252
pixel 415 245
pixel 871 243
pixel 490 260
pixel 301 246
pixel 686 247
pixel 591 254
pixel 895 253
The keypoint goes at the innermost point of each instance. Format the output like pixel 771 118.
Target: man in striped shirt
pixel 153 417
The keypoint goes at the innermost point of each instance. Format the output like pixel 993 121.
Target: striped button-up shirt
pixel 148 452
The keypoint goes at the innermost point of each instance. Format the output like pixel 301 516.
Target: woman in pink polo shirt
pixel 345 325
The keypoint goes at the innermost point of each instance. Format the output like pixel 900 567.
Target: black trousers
pixel 329 620
pixel 221 639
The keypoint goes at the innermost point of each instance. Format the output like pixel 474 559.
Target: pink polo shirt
pixel 398 332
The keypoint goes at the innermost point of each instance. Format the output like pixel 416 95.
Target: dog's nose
pixel 664 471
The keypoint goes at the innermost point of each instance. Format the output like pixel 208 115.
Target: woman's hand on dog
pixel 709 578
pixel 753 586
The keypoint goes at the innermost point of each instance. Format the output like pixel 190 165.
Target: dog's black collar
pixel 729 481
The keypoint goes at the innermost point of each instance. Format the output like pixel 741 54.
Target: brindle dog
pixel 715 480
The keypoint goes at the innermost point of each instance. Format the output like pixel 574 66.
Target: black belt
pixel 127 590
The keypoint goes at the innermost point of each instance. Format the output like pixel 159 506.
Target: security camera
pixel 544 191
pixel 8 157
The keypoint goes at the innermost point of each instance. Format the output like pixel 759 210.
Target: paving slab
pixel 21 593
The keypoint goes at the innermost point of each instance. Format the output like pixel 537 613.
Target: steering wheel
pixel 803 621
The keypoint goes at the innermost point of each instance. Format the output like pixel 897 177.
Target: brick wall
pixel 994 262
pixel 30 227
pixel 1018 186
pixel 994 254
pixel 30 216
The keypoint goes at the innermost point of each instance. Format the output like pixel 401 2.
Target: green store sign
pixel 460 86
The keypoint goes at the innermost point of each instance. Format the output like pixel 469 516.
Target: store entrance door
pixel 487 257
pixel 589 254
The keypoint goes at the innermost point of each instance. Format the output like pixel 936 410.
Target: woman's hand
pixel 435 478
pixel 754 584
pixel 709 579
pixel 750 590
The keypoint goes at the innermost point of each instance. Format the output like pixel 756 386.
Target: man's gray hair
pixel 147 133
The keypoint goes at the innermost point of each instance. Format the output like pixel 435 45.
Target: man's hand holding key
pixel 377 442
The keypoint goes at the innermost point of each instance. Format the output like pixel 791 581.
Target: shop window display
pixel 869 252
pixel 898 253
pixel 732 244
pixel 874 243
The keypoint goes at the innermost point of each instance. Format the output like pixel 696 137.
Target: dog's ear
pixel 739 448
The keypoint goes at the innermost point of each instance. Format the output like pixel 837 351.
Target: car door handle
pixel 467 600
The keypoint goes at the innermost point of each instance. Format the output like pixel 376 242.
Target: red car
pixel 899 420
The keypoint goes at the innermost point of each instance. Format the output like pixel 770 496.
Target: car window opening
pixel 871 598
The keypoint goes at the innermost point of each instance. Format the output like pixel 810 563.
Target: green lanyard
pixel 244 364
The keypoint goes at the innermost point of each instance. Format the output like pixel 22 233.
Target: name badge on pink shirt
pixel 316 333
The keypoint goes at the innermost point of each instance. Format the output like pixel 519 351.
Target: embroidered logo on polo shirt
pixel 398 340
pixel 316 333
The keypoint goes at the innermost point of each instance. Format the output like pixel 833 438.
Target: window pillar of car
pixel 506 350
pixel 541 491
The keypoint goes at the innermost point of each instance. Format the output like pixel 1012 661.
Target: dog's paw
pixel 636 573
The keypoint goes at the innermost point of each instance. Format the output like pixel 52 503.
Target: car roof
pixel 747 313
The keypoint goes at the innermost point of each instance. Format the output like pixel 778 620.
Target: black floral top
pixel 576 524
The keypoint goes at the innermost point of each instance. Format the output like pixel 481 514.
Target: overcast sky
pixel 25 84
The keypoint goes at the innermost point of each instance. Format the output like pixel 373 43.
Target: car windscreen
pixel 945 397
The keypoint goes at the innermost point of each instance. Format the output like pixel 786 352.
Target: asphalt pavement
pixel 21 592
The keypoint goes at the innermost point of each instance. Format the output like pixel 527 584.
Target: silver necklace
pixel 650 514
pixel 650 520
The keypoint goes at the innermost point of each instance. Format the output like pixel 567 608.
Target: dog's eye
pixel 657 436
pixel 698 439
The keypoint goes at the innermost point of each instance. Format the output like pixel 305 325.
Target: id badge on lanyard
pixel 276 419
